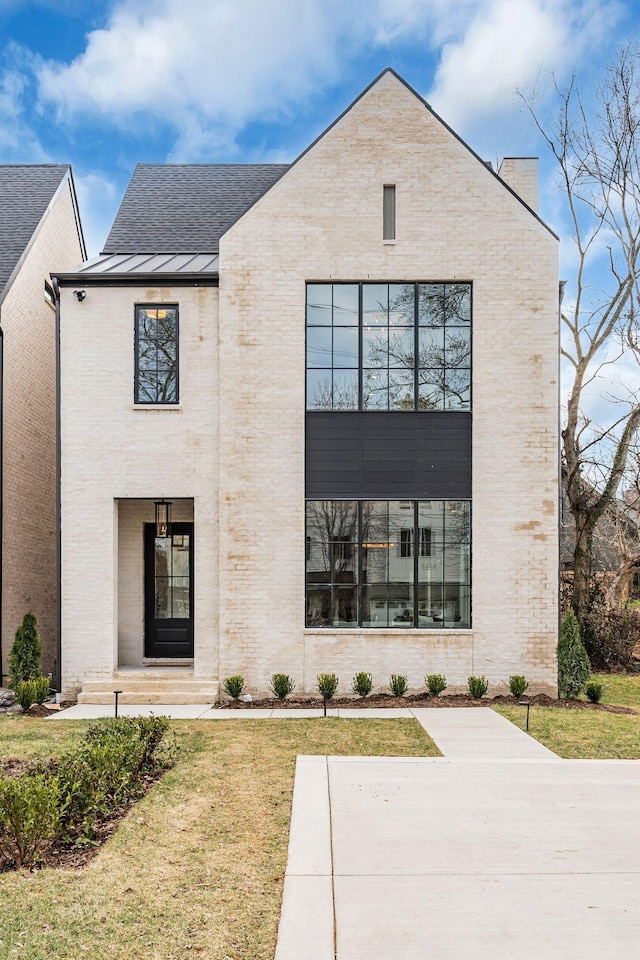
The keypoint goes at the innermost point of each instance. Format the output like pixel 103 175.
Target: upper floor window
pixel 389 346
pixel 156 375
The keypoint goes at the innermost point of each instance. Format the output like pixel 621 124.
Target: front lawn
pixel 197 866
pixel 588 734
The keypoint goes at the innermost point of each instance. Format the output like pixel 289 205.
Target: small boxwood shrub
pixel 518 684
pixel 398 684
pixel 31 814
pixel 281 685
pixel 436 683
pixel 594 691
pixel 362 684
pixel 25 694
pixel 233 686
pixel 327 685
pixel 477 686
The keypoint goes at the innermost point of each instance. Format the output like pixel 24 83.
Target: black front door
pixel 168 591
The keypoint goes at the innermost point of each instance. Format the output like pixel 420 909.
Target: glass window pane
pixel 457 347
pixel 457 390
pixel 431 514
pixel 401 348
pixel 375 612
pixel 430 391
pixel 319 347
pixel 345 607
pixel 319 391
pixel 319 303
pixel 147 387
pixel 375 561
pixel 401 304
pixel 401 390
pixel 332 520
pixel 180 596
pixel 431 568
pixel 457 563
pixel 431 304
pixel 345 304
pixel 400 604
pixel 375 303
pixel 180 556
pixel 345 389
pixel 456 606
pixel 162 598
pixel 345 346
pixel 375 385
pixel 375 346
pixel 457 521
pixel 318 562
pixel 431 346
pixel 318 606
pixel 458 302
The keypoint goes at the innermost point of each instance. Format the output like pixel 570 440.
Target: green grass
pixel 588 734
pixel 197 867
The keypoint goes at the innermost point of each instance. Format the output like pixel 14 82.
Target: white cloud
pixel 19 142
pixel 98 199
pixel 507 44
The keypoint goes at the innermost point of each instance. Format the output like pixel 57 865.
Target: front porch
pixel 152 684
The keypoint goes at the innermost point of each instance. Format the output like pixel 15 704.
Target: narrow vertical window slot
pixel 389 212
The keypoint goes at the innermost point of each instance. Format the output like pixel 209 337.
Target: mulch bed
pixel 419 700
pixel 70 857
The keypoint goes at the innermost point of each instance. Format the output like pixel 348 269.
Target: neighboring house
pixel 39 229
pixel 329 477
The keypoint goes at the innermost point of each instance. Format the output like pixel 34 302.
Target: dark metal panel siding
pixel 387 455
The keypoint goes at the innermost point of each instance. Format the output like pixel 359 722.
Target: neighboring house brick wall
pixel 323 221
pixel 29 441
pixel 112 451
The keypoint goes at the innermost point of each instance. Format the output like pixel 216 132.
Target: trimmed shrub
pixel 398 684
pixel 477 687
pixel 594 691
pixel 327 685
pixel 436 683
pixel 233 686
pixel 30 817
pixel 518 684
pixel 25 657
pixel 573 663
pixel 42 688
pixel 362 684
pixel 25 693
pixel 281 685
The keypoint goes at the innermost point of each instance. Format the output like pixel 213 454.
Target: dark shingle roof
pixel 185 208
pixel 26 191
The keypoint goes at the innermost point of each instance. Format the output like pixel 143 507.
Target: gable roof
pixel 185 208
pixel 26 191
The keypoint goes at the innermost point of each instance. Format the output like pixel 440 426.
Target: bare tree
pixel 598 154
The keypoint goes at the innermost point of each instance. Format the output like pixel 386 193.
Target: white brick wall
pixel 112 452
pixel 323 221
pixel 29 441
pixel 237 445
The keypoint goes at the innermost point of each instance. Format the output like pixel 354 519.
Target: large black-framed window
pixel 156 354
pixel 388 346
pixel 362 568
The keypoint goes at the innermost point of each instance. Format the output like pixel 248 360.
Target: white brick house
pixel 326 523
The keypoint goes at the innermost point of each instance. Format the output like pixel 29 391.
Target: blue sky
pixel 103 85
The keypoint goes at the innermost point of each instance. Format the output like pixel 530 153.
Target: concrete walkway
pixel 477 732
pixel 408 858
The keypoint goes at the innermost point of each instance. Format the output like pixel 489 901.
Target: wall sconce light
pixel 163 518
pixel 80 295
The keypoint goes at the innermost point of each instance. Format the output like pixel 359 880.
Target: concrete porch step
pixel 151 689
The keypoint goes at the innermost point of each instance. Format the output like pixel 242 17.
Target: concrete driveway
pixel 462 859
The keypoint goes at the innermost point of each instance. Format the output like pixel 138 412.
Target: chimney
pixel 521 174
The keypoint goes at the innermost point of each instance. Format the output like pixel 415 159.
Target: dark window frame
pixel 136 381
pixel 418 370
pixel 359 585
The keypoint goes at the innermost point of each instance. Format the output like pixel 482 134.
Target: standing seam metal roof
pixel 185 208
pixel 26 190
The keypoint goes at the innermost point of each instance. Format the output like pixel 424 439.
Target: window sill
pixel 388 243
pixel 359 631
pixel 158 407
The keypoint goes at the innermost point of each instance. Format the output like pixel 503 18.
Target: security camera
pixel 80 294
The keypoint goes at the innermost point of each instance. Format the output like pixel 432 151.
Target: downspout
pixel 58 677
